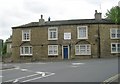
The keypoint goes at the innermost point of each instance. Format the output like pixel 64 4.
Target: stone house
pixel 66 39
pixel 9 45
pixel 1 46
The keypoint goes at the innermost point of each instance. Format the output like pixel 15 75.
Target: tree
pixel 114 14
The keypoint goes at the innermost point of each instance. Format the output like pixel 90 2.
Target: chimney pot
pixel 49 19
pixel 95 11
pixel 41 16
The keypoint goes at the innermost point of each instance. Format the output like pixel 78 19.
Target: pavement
pixel 6 66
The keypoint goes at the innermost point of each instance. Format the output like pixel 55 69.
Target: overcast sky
pixel 18 12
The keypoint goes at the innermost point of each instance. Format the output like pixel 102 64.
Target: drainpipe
pixel 99 47
pixel 98 17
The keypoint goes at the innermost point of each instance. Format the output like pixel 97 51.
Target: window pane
pixel 82 32
pixel 26 35
pixel 30 50
pixel 22 50
pixel 53 49
pixel 52 30
pixel 119 48
pixel 118 33
pixel 26 50
pixel 50 34
pixel 113 47
pixel 113 33
pixel 77 49
pixel 50 52
pixel 53 33
pixel 82 49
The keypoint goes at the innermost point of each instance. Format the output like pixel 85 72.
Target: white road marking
pixel 35 63
pixel 24 69
pixel 21 77
pixel 77 63
pixel 38 77
pixel 1 76
pixel 112 78
pixel 17 79
pixel 43 73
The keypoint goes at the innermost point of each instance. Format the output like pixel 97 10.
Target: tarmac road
pixel 91 70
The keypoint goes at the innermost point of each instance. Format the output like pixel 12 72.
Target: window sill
pixel 115 38
pixel 82 38
pixel 115 52
pixel 25 54
pixel 25 40
pixel 52 39
pixel 82 54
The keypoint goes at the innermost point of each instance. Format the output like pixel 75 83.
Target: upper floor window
pixel 82 32
pixel 115 47
pixel 25 35
pixel 115 33
pixel 83 49
pixel 52 33
pixel 52 49
pixel 26 50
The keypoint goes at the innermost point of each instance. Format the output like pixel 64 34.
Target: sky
pixel 18 12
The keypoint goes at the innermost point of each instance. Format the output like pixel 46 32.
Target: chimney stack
pixel 41 21
pixel 98 16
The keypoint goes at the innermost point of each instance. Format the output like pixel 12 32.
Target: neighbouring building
pixel 66 39
pixel 1 46
pixel 9 45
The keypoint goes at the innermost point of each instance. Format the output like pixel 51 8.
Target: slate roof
pixel 66 22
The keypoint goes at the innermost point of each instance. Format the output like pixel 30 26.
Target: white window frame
pixel 53 49
pixel 116 44
pixel 29 52
pixel 50 33
pixel 86 46
pixel 78 33
pixel 25 38
pixel 116 37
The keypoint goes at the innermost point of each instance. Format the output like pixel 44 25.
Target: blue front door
pixel 65 52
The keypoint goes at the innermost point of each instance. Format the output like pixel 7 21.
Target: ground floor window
pixel 83 49
pixel 52 49
pixel 115 47
pixel 26 50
